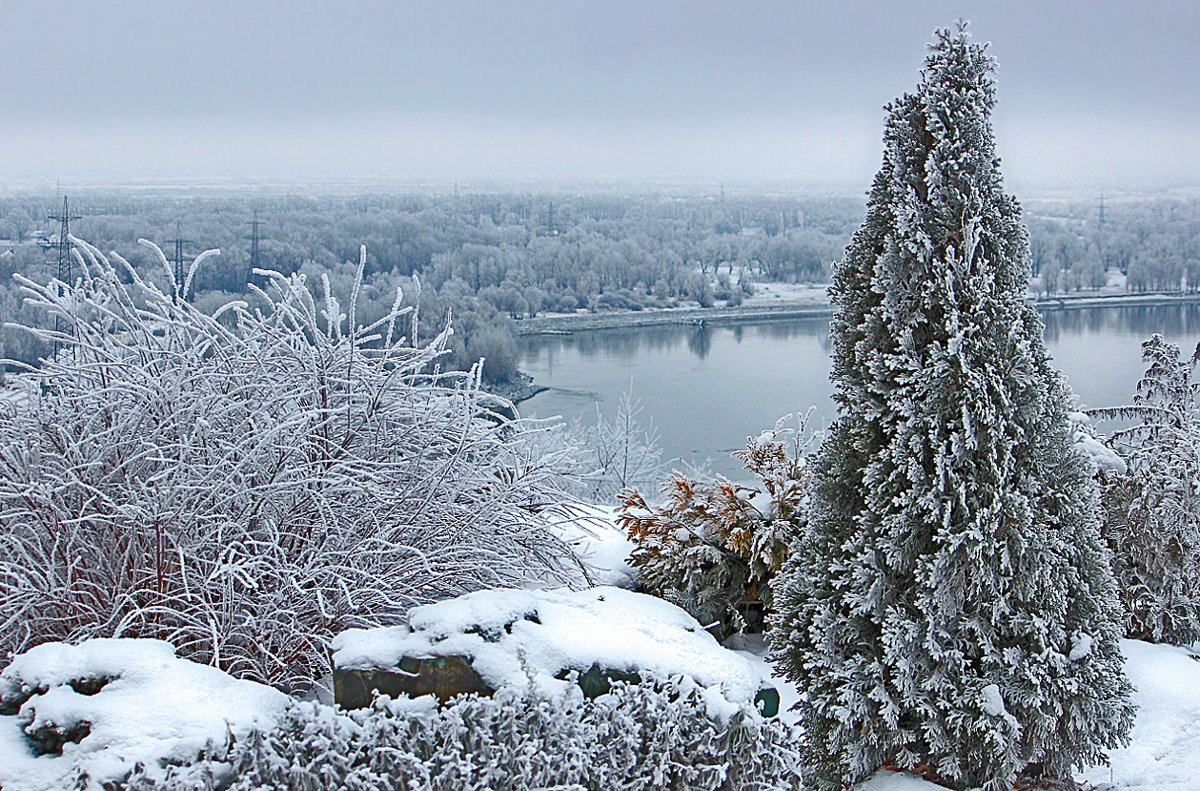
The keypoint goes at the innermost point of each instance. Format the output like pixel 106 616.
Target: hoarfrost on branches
pixel 652 735
pixel 951 552
pixel 246 483
pixel 1152 513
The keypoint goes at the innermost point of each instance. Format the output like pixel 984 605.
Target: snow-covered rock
pixel 518 637
pixel 130 701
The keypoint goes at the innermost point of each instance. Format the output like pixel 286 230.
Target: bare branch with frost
pixel 245 491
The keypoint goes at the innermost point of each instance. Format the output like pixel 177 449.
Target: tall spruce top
pixel 939 230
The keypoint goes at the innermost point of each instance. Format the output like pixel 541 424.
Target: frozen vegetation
pixel 248 483
pixel 209 517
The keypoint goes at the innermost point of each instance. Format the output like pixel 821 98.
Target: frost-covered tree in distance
pixel 950 608
pixel 1153 514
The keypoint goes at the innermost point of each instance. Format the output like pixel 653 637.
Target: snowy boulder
pixel 549 639
pixel 104 706
pixel 442 676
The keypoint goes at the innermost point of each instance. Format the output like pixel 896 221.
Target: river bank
pixel 520 390
pixel 582 322
pixel 587 322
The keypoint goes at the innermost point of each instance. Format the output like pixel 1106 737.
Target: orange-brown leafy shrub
pixel 712 548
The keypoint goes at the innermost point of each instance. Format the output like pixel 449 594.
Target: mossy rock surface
pixel 48 739
pixel 597 681
pixel 442 676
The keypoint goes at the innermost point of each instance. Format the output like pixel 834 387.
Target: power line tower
pixel 254 255
pixel 177 261
pixel 62 248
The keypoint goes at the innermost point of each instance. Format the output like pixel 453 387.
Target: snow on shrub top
pixel 515 637
pixel 154 707
pixel 1084 434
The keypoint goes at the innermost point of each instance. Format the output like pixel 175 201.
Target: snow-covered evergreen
pixel 1152 514
pixel 950 608
pixel 244 485
pixel 652 735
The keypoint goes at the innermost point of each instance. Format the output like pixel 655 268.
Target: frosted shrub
pixel 246 483
pixel 617 452
pixel 636 737
pixel 1152 513
pixel 713 548
pixel 602 458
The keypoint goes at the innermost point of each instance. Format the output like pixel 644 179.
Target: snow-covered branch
pixel 245 484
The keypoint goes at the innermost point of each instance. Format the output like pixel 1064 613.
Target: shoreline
pixel 515 392
pixel 588 322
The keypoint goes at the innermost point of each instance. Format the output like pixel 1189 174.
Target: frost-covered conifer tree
pixel 950 607
pixel 1153 513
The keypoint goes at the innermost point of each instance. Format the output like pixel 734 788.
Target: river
pixel 705 389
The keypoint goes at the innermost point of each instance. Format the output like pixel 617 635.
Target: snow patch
pixel 1081 647
pixel 592 533
pixel 1164 745
pixel 153 708
pixel 993 702
pixel 1100 454
pixel 1103 457
pixel 897 781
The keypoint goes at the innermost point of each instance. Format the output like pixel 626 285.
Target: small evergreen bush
pixel 1152 513
pixel 713 548
pixel 652 735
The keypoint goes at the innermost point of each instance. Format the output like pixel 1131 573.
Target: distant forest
pixel 489 259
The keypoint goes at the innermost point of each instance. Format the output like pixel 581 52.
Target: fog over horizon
pixel 1097 95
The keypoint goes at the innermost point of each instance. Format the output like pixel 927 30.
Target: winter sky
pixel 1097 94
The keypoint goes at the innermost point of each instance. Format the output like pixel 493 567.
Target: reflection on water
pixel 1175 322
pixel 699 342
pixel 709 387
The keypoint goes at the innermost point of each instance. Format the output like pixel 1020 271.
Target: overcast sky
pixel 1093 94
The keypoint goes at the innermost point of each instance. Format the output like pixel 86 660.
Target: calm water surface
pixel 706 389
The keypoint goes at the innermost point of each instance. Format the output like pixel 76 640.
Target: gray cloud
pixel 1090 92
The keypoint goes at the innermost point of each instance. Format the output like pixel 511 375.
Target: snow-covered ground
pixel 142 704
pixel 1164 748
pixel 777 293
pixel 158 708
pixel 152 707
pixel 592 533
